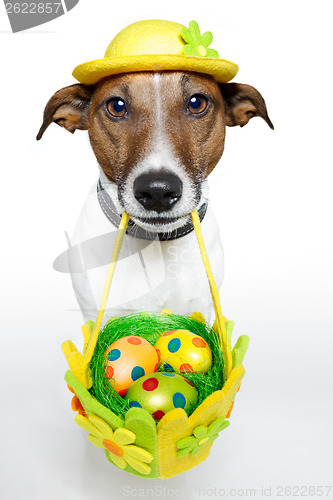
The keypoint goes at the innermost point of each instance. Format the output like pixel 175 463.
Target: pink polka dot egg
pixel 183 351
pixel 161 392
pixel 127 359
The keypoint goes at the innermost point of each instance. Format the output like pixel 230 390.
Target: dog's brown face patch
pixel 157 111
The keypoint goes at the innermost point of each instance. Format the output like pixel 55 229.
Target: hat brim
pixel 91 72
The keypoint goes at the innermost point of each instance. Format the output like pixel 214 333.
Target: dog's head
pixel 156 135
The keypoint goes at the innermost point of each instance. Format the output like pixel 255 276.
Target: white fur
pixel 155 276
pixel 159 156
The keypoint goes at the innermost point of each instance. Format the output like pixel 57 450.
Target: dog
pixel 156 135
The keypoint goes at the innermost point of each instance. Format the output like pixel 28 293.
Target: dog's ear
pixel 69 108
pixel 242 102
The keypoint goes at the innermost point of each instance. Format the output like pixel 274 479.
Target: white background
pixel 272 192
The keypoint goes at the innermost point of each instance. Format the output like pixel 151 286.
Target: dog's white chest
pixel 150 275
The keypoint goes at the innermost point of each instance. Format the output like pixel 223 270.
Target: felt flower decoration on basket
pixel 134 438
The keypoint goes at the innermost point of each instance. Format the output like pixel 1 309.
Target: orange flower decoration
pixel 76 403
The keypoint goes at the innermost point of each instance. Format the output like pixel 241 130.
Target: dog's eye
pixel 197 104
pixel 116 107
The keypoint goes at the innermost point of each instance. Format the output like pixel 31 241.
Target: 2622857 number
pixel 33 8
pixel 303 491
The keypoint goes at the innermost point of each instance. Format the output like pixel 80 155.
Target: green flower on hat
pixel 197 45
pixel 201 435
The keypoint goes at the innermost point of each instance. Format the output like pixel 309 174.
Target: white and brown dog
pixel 156 137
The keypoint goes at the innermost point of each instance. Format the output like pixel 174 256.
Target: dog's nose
pixel 158 191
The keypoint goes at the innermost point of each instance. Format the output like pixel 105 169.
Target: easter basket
pixel 134 437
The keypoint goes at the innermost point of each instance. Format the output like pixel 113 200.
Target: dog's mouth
pixel 160 223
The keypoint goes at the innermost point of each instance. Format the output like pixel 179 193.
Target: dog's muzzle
pixel 158 191
pixel 110 211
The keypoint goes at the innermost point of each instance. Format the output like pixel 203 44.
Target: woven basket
pixel 134 441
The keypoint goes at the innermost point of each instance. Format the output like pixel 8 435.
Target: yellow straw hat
pixel 157 46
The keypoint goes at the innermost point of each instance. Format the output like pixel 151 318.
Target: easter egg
pixel 127 359
pixel 161 392
pixel 184 351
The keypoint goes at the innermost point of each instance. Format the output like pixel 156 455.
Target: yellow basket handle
pixel 221 330
pixel 220 324
pixel 115 254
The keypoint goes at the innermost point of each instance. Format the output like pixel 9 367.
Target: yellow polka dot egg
pixel 183 351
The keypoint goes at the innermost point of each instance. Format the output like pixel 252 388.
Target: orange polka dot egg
pixel 183 351
pixel 128 359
